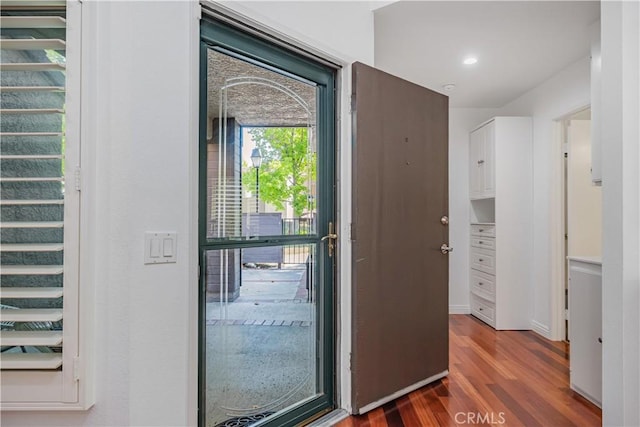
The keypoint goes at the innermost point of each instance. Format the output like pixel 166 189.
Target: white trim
pixel 486 122
pixel 265 27
pixel 74 314
pixel 192 237
pixel 586 395
pixel 402 392
pixel 541 329
pixel 85 86
pixel 557 262
pixel 460 309
pixel 344 272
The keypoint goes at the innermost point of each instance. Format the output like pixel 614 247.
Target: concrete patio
pixel 260 347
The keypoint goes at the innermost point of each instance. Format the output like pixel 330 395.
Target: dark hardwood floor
pixel 509 378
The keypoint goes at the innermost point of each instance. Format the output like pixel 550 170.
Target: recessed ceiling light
pixel 449 87
pixel 470 60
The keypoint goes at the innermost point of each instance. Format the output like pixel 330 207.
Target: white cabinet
pixel 501 212
pixel 482 260
pixel 481 162
pixel 585 327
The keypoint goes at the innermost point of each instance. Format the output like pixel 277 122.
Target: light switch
pixel 155 248
pixel 167 247
pixel 160 247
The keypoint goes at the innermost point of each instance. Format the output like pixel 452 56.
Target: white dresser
pixel 501 215
pixel 585 327
pixel 482 279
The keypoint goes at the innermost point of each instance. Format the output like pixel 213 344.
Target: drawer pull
pixel 481 230
pixel 480 283
pixel 481 242
pixel 480 308
pixel 480 260
pixel 600 340
pixel 480 162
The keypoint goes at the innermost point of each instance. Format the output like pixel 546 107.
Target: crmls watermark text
pixel 479 418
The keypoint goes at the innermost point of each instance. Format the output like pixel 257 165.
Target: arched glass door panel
pixel 266 199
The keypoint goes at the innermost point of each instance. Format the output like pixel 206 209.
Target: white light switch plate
pixel 160 247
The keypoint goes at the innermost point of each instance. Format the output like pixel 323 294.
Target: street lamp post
pixel 256 159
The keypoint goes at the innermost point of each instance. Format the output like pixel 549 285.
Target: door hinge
pixel 352 232
pixel 350 361
pixel 76 178
pixel 76 369
pixel 353 103
pixel 566 314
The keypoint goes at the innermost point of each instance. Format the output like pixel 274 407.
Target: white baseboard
pixel 402 392
pixel 459 309
pixel 541 329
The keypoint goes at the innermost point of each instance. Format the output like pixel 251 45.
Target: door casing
pixel 233 41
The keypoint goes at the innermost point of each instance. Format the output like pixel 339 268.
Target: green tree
pixel 288 167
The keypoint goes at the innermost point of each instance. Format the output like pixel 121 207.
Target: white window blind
pixel 39 222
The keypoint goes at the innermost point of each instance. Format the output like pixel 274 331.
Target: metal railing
pixel 293 226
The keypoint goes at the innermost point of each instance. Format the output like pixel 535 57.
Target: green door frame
pixel 232 41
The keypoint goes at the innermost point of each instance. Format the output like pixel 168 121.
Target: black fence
pixel 293 226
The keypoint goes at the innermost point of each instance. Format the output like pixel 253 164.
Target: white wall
pixel 341 28
pixel 584 199
pixel 565 92
pixel 461 122
pixel 141 114
pixel 621 216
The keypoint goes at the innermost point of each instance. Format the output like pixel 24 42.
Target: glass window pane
pixel 261 151
pixel 260 331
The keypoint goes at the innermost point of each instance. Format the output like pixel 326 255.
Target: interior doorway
pixel 582 199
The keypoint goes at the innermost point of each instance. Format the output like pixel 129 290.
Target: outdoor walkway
pixel 260 347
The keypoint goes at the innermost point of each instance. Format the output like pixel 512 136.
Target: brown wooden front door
pixel 400 275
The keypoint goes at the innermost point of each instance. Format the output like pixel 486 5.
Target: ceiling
pixel 519 44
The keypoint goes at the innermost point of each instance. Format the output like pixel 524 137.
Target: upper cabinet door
pixel 476 163
pixel 482 154
pixel 489 171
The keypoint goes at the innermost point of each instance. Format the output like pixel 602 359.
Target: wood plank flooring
pixel 509 378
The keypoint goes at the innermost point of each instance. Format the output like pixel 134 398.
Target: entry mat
pixel 245 420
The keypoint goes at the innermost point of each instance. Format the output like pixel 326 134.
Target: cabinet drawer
pixel 483 260
pixel 483 285
pixel 483 230
pixel 483 242
pixel 483 310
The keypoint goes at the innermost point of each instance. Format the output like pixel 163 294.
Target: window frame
pixel 235 41
pixel 72 387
